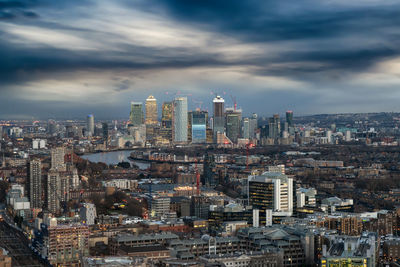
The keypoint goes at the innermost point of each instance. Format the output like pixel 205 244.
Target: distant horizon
pixel 282 115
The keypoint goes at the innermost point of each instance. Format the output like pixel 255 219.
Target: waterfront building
pixel 151 110
pixel 180 120
pixel 136 115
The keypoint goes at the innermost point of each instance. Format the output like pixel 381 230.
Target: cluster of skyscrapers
pixel 179 125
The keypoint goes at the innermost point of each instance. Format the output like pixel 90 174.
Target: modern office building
pixel 233 124
pixel 199 126
pixel 104 127
pixel 166 116
pixel 165 131
pixel 160 206
pixel 274 126
pixel 271 191
pixel 218 116
pixel 90 125
pixel 246 128
pixel 249 127
pixel 229 213
pixel 35 183
pixel 180 120
pixel 253 125
pixel 136 115
pixel 306 197
pixel 289 118
pixel 151 110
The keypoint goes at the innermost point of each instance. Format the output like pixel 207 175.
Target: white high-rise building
pixel 329 136
pixel 180 120
pixel 271 191
pixel 90 125
pixel 160 206
pixel 151 110
pixel 347 136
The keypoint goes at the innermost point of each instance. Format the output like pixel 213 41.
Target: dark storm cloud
pixel 21 65
pixel 14 9
pixel 320 41
pixel 248 21
pixel 123 85
pixel 282 20
pixel 306 21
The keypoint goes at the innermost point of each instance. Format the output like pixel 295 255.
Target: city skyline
pixel 312 57
pixel 199 133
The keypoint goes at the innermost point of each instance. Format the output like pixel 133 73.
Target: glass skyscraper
pixel 271 191
pixel 199 126
pixel 180 120
pixel 274 124
pixel 90 125
pixel 166 116
pixel 289 118
pixel 219 116
pixel 136 116
pixel 233 124
pixel 151 110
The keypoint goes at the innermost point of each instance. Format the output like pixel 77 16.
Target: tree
pixel 134 208
pixel 124 164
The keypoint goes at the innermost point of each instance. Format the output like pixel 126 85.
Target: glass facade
pixel 136 116
pixel 199 127
pixel 261 197
pixel 233 121
pixel 180 118
pixel 166 118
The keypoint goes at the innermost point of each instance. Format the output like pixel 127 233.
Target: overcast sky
pixel 68 59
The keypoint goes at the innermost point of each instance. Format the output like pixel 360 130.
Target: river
pixel 114 157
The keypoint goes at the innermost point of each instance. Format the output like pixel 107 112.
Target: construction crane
pixel 199 102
